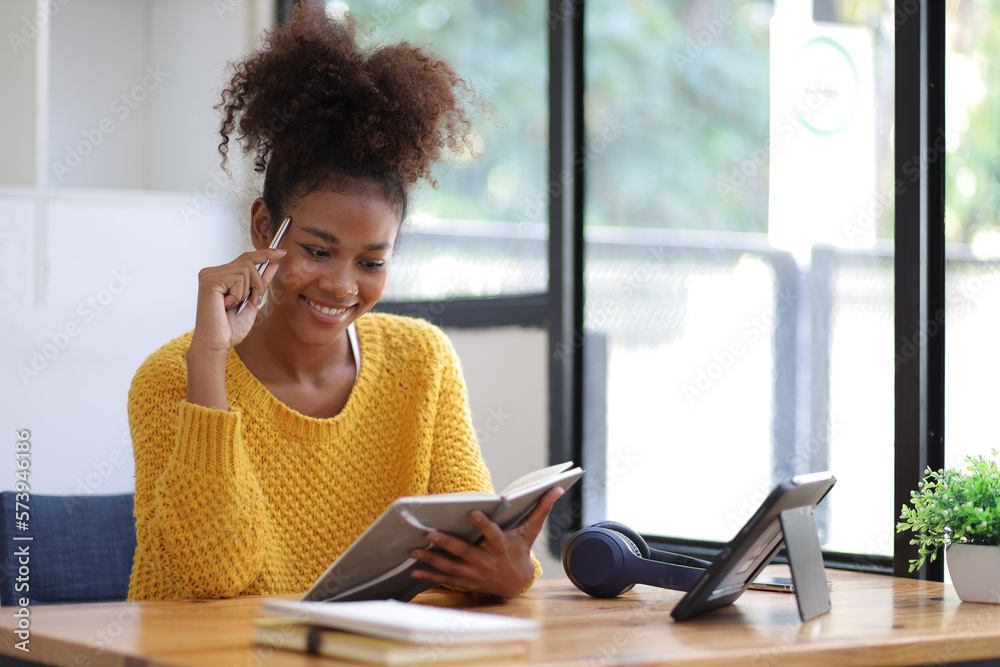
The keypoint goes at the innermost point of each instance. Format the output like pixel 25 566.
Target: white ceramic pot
pixel 975 571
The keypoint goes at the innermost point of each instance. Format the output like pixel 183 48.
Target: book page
pixel 519 504
pixel 534 478
pixel 449 497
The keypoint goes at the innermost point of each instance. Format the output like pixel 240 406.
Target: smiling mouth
pixel 332 312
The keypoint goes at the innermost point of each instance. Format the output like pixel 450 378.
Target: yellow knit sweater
pixel 261 499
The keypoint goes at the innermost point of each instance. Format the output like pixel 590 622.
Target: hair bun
pixel 310 93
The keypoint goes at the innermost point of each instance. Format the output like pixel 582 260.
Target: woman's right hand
pixel 220 290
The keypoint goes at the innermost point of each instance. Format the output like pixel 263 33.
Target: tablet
pixel 754 546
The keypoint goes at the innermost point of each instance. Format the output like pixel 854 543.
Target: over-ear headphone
pixel 608 558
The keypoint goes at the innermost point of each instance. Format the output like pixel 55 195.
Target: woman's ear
pixel 260 224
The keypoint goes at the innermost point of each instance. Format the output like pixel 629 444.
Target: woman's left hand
pixel 498 565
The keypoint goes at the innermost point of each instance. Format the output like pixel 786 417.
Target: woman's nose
pixel 339 283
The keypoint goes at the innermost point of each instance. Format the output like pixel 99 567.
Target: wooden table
pixel 875 621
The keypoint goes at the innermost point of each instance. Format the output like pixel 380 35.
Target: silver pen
pixel 263 266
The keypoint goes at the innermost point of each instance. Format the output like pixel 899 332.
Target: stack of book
pixel 389 632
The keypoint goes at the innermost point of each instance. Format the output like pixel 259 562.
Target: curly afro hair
pixel 317 111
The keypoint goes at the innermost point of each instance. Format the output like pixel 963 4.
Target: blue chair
pixel 81 548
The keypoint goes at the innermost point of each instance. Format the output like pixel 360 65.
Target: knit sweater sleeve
pixel 457 463
pixel 197 502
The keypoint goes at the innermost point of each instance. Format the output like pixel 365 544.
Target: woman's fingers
pixel 533 523
pixel 455 546
pixel 264 254
pixel 498 565
pixel 252 283
pixel 269 272
pixel 493 535
pixel 222 289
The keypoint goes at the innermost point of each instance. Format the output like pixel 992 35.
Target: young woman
pixel 266 441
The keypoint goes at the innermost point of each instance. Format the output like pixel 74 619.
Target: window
pixel 972 228
pixel 761 241
pixel 464 239
pixel 739 260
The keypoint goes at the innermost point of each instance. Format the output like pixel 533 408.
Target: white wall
pixel 507 374
pixel 132 86
pixel 108 149
pixel 112 278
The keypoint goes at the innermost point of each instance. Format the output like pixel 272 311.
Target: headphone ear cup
pixel 633 537
pixel 597 560
pixel 604 560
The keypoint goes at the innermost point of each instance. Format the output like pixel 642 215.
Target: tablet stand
pixel 806 561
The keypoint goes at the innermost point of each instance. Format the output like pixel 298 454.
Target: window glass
pixel 972 228
pixel 739 269
pixel 483 230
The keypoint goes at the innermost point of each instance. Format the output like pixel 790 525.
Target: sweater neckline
pixel 289 420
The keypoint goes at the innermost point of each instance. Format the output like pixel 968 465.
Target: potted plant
pixel 960 510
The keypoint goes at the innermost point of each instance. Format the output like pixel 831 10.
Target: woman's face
pixel 337 265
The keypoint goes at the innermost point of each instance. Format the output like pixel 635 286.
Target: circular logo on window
pixel 826 90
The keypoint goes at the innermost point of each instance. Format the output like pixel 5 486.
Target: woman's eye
pixel 372 265
pixel 316 253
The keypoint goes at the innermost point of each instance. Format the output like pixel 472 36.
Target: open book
pixel 378 565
